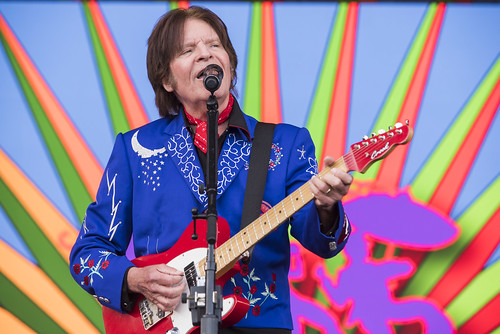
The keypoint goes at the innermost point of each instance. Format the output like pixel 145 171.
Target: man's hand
pixel 328 190
pixel 161 284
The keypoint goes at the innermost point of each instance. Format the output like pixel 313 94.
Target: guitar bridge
pixel 151 314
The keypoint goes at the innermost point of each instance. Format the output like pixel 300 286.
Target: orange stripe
pixel 271 104
pixel 134 111
pixel 183 4
pixel 33 282
pixel 11 324
pixel 84 161
pixel 52 223
pixel 334 144
pixel 448 190
pixel 391 169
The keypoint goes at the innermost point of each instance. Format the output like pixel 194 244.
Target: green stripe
pixel 115 106
pixel 253 98
pixel 320 108
pixel 399 90
pixel 75 188
pixel 432 173
pixel 437 263
pixel 17 303
pixel 48 258
pixel 476 295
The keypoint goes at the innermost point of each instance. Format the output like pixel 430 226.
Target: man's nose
pixel 204 52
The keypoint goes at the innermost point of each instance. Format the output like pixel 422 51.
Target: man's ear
pixel 167 86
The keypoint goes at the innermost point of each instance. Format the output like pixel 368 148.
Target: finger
pixel 322 197
pixel 320 185
pixel 346 178
pixel 163 268
pixel 328 160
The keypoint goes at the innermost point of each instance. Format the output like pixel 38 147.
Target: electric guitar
pixel 146 317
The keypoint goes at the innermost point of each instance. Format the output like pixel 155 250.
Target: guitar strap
pixel 257 175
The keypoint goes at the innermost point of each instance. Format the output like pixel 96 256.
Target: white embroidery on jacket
pixel 238 150
pixel 181 147
pixel 114 208
pixel 302 153
pixel 313 166
pixel 152 162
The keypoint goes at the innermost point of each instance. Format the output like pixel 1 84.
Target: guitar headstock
pixel 377 147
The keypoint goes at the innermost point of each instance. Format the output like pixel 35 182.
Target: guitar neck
pixel 229 252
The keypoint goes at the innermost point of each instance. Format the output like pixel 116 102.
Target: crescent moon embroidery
pixel 142 151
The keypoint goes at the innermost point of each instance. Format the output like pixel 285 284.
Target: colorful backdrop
pixel 423 255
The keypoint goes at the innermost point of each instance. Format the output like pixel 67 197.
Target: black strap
pixel 257 174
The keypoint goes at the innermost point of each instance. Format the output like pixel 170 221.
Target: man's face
pixel 200 47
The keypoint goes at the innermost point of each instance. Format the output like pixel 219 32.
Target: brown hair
pixel 165 43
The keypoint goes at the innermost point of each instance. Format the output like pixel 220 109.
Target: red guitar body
pixel 184 252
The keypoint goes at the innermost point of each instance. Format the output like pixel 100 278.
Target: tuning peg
pixel 391 127
pixel 398 125
pixel 373 134
pixel 407 122
pixel 365 137
pixel 381 131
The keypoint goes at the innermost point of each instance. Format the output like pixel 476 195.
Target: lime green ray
pixel 17 303
pixel 436 166
pixel 47 256
pixel 476 295
pixel 253 96
pixel 437 263
pixel 173 5
pixel 73 183
pixel 392 106
pixel 320 108
pixel 114 103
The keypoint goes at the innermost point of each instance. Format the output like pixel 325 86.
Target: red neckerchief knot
pixel 200 136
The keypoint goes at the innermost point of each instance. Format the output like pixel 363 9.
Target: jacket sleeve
pixel 98 259
pixel 305 224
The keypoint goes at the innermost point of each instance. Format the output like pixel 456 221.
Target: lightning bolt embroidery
pixel 114 209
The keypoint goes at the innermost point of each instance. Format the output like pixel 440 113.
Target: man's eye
pixel 185 51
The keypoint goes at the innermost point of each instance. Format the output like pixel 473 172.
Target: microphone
pixel 212 77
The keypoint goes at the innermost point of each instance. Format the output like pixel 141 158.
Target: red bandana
pixel 200 137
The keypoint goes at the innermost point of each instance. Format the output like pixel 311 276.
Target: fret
pixel 293 205
pixel 301 197
pixel 231 248
pixel 269 221
pixel 262 227
pixel 283 206
pixel 255 232
pixel 221 254
pixel 276 215
pixel 238 244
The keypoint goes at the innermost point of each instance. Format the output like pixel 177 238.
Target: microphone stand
pixel 205 302
pixel 213 304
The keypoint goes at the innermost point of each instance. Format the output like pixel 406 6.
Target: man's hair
pixel 165 43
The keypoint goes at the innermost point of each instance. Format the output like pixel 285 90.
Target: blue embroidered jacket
pixel 149 187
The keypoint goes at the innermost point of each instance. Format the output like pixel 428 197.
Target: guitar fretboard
pixel 230 251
